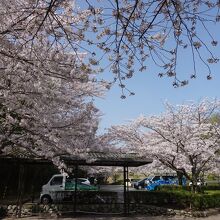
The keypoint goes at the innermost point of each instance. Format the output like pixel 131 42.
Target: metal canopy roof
pixel 89 158
pixel 23 155
pixel 107 159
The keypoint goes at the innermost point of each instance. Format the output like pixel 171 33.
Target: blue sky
pixel 151 91
pixel 150 94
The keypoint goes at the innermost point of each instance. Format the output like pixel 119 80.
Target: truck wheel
pixel 139 187
pixel 45 200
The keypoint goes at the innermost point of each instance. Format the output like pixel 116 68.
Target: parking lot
pixel 114 188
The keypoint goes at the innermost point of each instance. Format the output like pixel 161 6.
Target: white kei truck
pixel 61 187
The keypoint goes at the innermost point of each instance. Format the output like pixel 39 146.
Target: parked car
pixel 152 182
pixel 134 181
pixel 199 183
pixel 83 181
pixel 128 182
pixel 142 183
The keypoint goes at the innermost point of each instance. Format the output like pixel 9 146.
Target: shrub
pixel 187 188
pixel 173 188
pixel 179 199
pixel 118 182
pixel 204 201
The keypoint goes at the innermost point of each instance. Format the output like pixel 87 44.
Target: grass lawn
pixel 211 192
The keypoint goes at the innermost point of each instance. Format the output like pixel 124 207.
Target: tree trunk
pixel 180 177
pixel 194 187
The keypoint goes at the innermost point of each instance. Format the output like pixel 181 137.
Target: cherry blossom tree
pixel 123 32
pixel 47 115
pixel 182 139
pixel 46 89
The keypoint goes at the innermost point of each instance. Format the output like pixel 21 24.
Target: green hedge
pixel 173 188
pixel 176 199
pixel 187 188
pixel 205 201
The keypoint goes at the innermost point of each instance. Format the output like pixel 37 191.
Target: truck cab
pixel 55 184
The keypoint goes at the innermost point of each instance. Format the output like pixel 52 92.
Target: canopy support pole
pixel 75 191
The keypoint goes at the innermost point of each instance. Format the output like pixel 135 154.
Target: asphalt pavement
pixel 214 217
pixel 114 188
